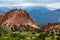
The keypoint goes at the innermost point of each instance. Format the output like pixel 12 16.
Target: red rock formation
pixel 55 26
pixel 50 26
pixel 1 16
pixel 16 17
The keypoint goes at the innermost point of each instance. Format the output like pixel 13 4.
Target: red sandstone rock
pixel 50 26
pixel 16 17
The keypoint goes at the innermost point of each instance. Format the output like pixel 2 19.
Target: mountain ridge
pixel 42 15
pixel 16 17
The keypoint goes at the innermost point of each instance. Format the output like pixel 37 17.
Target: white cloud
pixel 22 4
pixel 10 2
pixel 51 6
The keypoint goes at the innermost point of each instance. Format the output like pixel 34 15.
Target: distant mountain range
pixel 41 14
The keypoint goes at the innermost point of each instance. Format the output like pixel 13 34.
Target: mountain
pixel 16 17
pixel 4 9
pixel 41 14
pixel 44 15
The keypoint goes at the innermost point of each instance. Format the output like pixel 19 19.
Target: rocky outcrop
pixel 51 26
pixel 16 17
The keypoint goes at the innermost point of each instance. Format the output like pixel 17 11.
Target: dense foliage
pixel 39 34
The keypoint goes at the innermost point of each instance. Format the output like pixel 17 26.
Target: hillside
pixel 16 17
